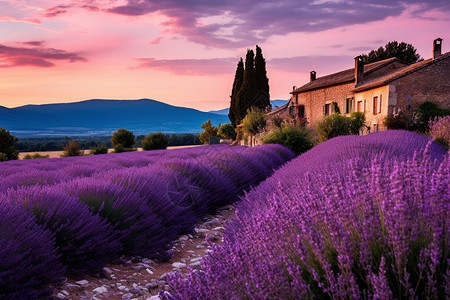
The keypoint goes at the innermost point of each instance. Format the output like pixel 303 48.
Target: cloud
pixel 14 19
pixel 33 43
pixel 37 56
pixel 198 67
pixel 156 40
pixel 234 23
pixel 57 10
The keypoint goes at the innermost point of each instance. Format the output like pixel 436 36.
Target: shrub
pixel 154 141
pixel 7 150
pixel 227 131
pixel 35 156
pixel 360 217
pixel 72 149
pixel 119 148
pixel 440 131
pixel 398 121
pixel 292 137
pixel 209 131
pixel 357 122
pixel 102 149
pixel 332 126
pixel 425 112
pixel 28 257
pixel 255 121
pixel 123 137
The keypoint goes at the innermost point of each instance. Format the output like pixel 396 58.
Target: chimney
pixel 294 87
pixel 312 76
pixel 359 70
pixel 437 48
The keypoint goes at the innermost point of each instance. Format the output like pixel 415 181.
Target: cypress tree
pixel 262 82
pixel 250 87
pixel 238 79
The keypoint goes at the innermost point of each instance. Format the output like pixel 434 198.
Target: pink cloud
pixel 156 40
pixel 57 10
pixel 38 57
pixel 14 19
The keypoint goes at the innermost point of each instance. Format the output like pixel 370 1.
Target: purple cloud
pixel 199 67
pixel 246 23
pixel 56 10
pixel 33 43
pixel 38 57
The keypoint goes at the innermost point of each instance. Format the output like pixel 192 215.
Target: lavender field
pixel 355 217
pixel 74 215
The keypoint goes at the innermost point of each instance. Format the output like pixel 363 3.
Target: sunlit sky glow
pixel 185 52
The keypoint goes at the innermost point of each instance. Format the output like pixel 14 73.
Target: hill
pixel 103 117
pixel 273 102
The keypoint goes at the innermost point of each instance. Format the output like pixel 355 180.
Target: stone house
pixel 377 89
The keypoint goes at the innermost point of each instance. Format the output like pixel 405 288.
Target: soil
pixel 141 278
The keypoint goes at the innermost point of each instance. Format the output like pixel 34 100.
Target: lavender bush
pixel 94 208
pixel 29 263
pixel 355 217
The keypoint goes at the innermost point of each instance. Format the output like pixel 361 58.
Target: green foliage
pixel 250 87
pixel 7 142
pixel 227 131
pixel 425 112
pixel 403 51
pixel 332 126
pixel 123 137
pixel 72 149
pixel 120 148
pixel 209 131
pixel 357 122
pixel 156 140
pixel 293 137
pixel 35 156
pixel 255 121
pixel 398 121
pixel 102 149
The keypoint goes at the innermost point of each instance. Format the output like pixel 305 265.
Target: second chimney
pixel 312 76
pixel 437 48
pixel 359 70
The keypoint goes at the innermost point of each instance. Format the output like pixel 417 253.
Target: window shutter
pixel 364 105
pixel 379 104
pixel 323 110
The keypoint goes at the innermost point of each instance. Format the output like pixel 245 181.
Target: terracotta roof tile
pixel 341 77
pixel 385 79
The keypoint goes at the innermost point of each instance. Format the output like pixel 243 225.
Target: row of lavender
pixel 355 217
pixel 133 203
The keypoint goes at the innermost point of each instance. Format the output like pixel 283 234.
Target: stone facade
pixel 383 88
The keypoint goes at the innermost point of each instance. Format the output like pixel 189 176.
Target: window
pixel 360 107
pixel 349 105
pixel 375 105
pixel 327 109
pixel 374 127
pixel 301 111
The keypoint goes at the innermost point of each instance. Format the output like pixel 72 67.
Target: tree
pixel 403 51
pixel 250 87
pixel 293 137
pixel 72 149
pixel 234 113
pixel 156 140
pixel 123 137
pixel 255 121
pixel 209 131
pixel 7 150
pixel 227 131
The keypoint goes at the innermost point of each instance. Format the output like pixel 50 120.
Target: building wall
pixel 315 100
pixel 428 84
pixel 375 119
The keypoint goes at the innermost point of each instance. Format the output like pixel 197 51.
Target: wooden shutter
pixel 379 104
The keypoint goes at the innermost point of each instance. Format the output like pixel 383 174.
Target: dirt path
pixel 141 278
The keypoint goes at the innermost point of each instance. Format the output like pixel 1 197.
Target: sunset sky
pixel 185 53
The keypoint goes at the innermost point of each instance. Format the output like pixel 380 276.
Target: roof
pixel 281 108
pixel 385 79
pixel 342 77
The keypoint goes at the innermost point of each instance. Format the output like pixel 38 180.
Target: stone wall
pixel 428 84
pixel 375 119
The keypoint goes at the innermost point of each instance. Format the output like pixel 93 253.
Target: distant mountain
pixel 103 117
pixel 273 102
